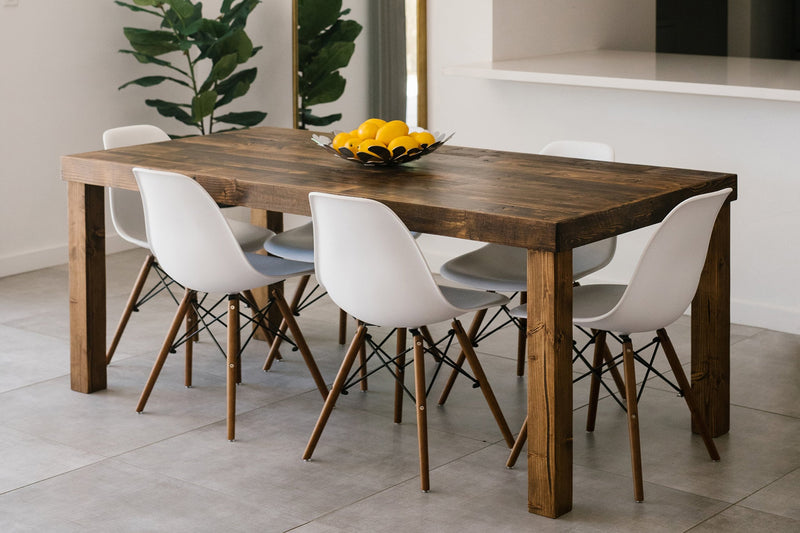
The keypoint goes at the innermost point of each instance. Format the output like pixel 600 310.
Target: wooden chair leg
pixel 162 355
pixel 400 365
pixel 191 332
pixel 688 395
pixel 330 401
pixel 422 415
pixel 362 361
pixel 594 387
pixel 473 332
pixel 275 343
pixel 274 348
pixel 342 327
pixel 518 445
pixel 477 371
pixel 126 313
pixel 234 345
pixel 300 340
pixel 522 338
pixel 633 419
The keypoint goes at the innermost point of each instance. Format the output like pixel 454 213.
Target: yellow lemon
pixel 351 144
pixel 406 141
pixel 391 130
pixel 367 130
pixel 377 121
pixel 340 139
pixel 368 144
pixel 354 133
pixel 424 138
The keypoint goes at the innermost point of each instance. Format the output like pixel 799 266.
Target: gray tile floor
pixel 75 462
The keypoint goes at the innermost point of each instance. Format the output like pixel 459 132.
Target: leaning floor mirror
pixel 391 38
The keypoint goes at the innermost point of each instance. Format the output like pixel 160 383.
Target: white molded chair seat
pixel 128 219
pixel 373 269
pixel 661 288
pixel 196 247
pixel 296 243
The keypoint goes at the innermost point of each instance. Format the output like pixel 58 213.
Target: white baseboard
pixel 49 257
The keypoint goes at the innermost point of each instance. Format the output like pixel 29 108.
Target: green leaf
pixel 203 105
pixel 329 89
pixel 137 8
pixel 172 110
pixel 313 120
pixel 316 15
pixel 144 58
pixel 235 86
pixel 237 42
pixel 224 67
pixel 246 119
pixel 154 3
pixel 184 8
pixel 150 81
pixel 328 60
pixel 151 42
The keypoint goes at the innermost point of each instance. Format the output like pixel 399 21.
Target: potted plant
pixel 185 39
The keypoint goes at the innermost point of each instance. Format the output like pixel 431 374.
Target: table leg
pixel 711 331
pixel 549 382
pixel 87 287
pixel 272 220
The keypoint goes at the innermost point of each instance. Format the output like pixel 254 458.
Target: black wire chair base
pixel 164 284
pixel 397 363
pixel 208 314
pixel 606 366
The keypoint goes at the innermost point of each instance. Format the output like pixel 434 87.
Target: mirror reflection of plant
pixel 325 43
pixel 222 41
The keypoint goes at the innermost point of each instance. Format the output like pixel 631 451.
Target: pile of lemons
pixel 382 139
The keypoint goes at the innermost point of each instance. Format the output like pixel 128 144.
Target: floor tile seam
pixel 386 489
pixel 741 501
pixel 707 519
pixel 102 458
pixel 740 406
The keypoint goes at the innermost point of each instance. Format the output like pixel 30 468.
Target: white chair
pixel 297 244
pixel 661 288
pixel 373 269
pixel 128 220
pixel 500 268
pixel 196 246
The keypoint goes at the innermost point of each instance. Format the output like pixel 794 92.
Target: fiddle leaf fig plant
pixel 325 44
pixel 187 44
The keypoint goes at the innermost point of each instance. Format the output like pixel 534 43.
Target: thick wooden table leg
pixel 711 331
pixel 549 382
pixel 87 287
pixel 271 220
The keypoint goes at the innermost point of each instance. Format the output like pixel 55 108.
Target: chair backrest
pixel 189 235
pixel 125 205
pixel 666 277
pixel 594 256
pixel 371 265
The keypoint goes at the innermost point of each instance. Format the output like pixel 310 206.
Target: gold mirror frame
pixel 422 63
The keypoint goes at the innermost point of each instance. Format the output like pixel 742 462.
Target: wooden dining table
pixel 548 205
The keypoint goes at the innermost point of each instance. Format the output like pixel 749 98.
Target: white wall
pixel 539 27
pixel 58 93
pixel 755 139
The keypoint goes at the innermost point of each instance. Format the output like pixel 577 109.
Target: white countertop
pixel 741 77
